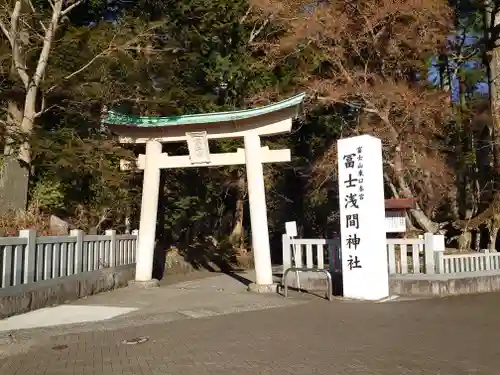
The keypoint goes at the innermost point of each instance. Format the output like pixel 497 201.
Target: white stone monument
pixel 362 218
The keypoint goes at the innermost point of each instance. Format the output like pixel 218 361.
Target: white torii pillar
pixel 149 216
pixel 258 214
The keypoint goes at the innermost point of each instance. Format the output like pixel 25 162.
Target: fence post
pixel 421 248
pixel 439 248
pixel 430 266
pixel 79 256
pixel 127 225
pixel 334 255
pixel 112 247
pixel 135 232
pixel 487 260
pixel 439 256
pixel 287 253
pixel 29 255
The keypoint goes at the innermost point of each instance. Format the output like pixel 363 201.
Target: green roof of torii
pixel 115 118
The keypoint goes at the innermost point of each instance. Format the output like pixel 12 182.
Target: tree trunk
pixel 423 221
pixel 236 237
pixel 405 192
pixel 492 62
pixel 454 194
pixel 27 124
pixel 399 180
pixel 493 239
pixel 15 171
pixel 467 148
pixel 465 239
pixel 477 245
pixel 16 168
pixel 14 177
pixel 454 202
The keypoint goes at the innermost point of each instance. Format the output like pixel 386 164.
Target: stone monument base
pixel 144 284
pixel 265 288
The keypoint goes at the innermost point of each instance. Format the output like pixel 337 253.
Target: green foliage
pixel 48 195
pixel 171 57
pixel 163 58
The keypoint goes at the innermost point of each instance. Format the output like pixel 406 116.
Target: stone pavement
pixel 302 335
pixel 202 295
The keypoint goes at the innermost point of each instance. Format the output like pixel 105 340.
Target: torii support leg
pixel 258 216
pixel 149 213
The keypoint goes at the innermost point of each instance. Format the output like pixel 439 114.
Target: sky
pixel 481 86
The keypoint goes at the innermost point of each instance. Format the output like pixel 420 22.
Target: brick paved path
pixel 455 336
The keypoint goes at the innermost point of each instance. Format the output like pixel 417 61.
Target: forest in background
pixel 419 74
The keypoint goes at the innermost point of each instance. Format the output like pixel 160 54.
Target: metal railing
pixel 329 293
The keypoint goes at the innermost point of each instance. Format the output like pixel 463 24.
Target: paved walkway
pixel 213 326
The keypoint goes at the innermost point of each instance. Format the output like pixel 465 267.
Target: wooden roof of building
pixel 400 204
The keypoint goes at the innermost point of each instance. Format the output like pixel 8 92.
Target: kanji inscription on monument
pixel 362 218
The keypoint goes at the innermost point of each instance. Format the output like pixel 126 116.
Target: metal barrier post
pixel 295 269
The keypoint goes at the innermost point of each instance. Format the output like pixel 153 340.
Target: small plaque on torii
pixel 199 151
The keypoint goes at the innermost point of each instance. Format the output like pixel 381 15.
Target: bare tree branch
pixel 6 32
pixel 70 7
pixel 17 55
pixel 47 44
pixel 247 13
pixel 255 32
pixel 33 9
pixel 111 48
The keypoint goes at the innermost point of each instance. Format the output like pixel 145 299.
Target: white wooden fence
pixel 28 258
pixel 476 262
pixel 404 256
pixel 408 256
pixel 311 253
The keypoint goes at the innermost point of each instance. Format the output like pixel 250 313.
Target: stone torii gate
pixel 197 130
